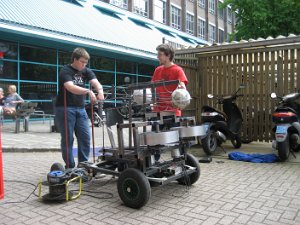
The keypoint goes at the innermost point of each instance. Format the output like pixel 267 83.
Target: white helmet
pixel 181 98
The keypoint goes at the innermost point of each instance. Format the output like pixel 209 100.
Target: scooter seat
pixel 211 109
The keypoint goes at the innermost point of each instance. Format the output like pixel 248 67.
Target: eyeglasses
pixel 160 53
pixel 84 62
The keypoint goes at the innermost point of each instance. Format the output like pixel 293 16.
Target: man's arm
pixel 74 89
pixel 98 87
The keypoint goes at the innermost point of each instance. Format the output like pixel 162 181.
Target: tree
pixel 263 18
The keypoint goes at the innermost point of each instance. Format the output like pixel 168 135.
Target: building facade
pixel 35 43
pixel 202 18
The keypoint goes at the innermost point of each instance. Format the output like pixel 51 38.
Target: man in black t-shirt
pixel 70 112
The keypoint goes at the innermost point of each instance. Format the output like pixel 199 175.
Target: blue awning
pixel 90 23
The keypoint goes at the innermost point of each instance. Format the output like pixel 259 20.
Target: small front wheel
pixel 210 142
pixel 134 188
pixel 192 178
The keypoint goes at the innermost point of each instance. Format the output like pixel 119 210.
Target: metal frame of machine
pixel 135 164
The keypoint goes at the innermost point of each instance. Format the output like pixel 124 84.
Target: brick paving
pixel 227 192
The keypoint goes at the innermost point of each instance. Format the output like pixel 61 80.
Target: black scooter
pixel 222 126
pixel 287 127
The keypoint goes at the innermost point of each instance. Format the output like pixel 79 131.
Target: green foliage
pixel 263 18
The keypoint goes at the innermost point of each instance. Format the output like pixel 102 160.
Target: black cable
pixel 107 195
pixel 20 182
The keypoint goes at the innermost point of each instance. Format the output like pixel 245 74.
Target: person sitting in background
pixel 11 101
pixel 2 98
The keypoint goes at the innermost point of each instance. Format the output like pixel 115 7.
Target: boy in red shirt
pixel 167 71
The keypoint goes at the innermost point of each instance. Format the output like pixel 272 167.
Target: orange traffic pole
pixel 1 166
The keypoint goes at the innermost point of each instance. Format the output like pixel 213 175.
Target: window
pixel 201 28
pixel 229 15
pixel 102 63
pixel 221 36
pixel 212 33
pixel 189 23
pixel 120 3
pixel 64 58
pixel 105 78
pixel 35 72
pixel 8 70
pixel 160 11
pixel 145 69
pixel 176 17
pixel 220 10
pixel 211 6
pixel 126 66
pixel 140 7
pixel 8 50
pixel 144 78
pixel 123 79
pixel 8 53
pixel 201 3
pixel 34 91
pixel 37 54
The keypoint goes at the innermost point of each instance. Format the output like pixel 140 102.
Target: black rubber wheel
pixel 193 162
pixel 134 188
pixel 237 141
pixel 283 149
pixel 210 142
pixel 57 167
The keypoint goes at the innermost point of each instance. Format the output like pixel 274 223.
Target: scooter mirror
pixel 210 96
pixel 273 95
pixel 242 86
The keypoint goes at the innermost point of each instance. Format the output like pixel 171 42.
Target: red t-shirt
pixel 164 93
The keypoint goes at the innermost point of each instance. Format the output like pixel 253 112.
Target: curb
pixel 29 150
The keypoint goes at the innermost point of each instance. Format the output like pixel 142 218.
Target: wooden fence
pixel 263 66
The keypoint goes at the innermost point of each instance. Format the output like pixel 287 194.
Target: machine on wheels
pixel 133 158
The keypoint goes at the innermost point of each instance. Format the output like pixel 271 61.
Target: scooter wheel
pixel 210 142
pixel 283 149
pixel 297 149
pixel 237 141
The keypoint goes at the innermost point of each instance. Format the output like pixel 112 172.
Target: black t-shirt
pixel 79 78
pixel 2 101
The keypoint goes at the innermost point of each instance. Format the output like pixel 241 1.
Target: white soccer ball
pixel 181 98
pixel 138 96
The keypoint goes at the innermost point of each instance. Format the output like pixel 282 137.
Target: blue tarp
pixel 254 158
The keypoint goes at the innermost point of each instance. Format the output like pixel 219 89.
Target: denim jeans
pixel 78 122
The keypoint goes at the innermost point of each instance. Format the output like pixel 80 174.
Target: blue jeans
pixel 78 122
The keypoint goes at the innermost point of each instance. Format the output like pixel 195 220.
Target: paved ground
pixel 227 192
